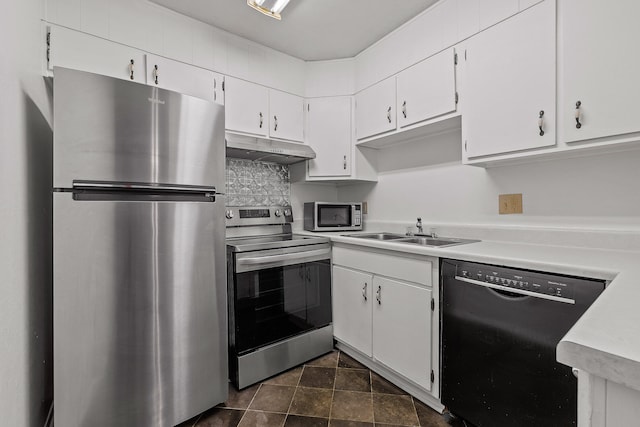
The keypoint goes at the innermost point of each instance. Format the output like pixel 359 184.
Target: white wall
pixel 427 179
pixel 25 219
pixel 305 192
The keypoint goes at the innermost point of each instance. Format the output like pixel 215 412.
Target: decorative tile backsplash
pixel 253 183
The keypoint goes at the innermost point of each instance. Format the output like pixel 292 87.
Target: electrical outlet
pixel 510 204
pixel 365 208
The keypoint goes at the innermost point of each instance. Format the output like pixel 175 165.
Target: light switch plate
pixel 510 204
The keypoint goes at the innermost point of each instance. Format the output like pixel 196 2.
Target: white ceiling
pixel 310 29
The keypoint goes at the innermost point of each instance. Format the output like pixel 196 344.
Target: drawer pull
pixel 131 69
pixel 541 122
pixel 379 295
pixel 364 291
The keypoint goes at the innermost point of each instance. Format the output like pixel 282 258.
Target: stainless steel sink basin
pixel 414 240
pixel 436 241
pixel 379 236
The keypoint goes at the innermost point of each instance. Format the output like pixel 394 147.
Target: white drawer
pixel 403 266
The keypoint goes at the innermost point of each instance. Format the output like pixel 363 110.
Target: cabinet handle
pixel 344 163
pixel 261 120
pixel 389 114
pixel 378 295
pixel 541 122
pixel 214 89
pixel 578 124
pixel 275 123
pixel 404 109
pixel 364 291
pixel 155 73
pixel 131 69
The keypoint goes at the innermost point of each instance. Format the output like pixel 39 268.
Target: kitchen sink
pixel 437 241
pixel 414 240
pixel 379 236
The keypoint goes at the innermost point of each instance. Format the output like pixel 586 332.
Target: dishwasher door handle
pixel 515 291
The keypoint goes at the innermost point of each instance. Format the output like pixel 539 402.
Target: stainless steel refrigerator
pixel 140 305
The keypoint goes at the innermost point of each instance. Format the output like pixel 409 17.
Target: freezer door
pixel 107 129
pixel 140 311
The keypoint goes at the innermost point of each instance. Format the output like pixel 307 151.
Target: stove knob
pixel 277 213
pixel 287 212
pixel 229 214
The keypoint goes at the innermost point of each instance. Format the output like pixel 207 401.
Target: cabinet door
pixel 427 89
pixel 79 51
pixel 509 79
pixel 600 61
pixel 218 88
pixel 329 134
pixel 246 107
pixel 402 334
pixel 180 77
pixel 352 308
pixel 375 112
pixel 286 116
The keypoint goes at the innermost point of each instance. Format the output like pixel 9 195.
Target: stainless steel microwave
pixel 326 216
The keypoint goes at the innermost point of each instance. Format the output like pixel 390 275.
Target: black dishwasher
pixel 500 328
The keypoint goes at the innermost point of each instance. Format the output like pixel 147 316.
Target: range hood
pixel 267 150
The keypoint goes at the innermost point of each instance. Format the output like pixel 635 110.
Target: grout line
pixel 333 390
pixel 249 405
pixel 415 410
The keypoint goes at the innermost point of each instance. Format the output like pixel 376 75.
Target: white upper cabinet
pixel 509 85
pixel 427 90
pixel 184 78
pixel 375 109
pixel 79 51
pixel 493 11
pixel 247 107
pixel 599 65
pixel 286 116
pixel 329 134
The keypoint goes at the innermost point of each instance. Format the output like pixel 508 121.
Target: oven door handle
pixel 254 263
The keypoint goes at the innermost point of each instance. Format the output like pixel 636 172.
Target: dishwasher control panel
pixel 558 286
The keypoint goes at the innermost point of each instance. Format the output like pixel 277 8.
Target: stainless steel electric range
pixel 279 288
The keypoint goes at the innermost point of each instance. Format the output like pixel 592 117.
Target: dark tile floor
pixel 331 391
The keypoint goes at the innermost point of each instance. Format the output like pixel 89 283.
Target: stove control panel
pixel 242 216
pixel 532 282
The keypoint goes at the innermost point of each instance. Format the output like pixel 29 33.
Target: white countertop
pixel 606 339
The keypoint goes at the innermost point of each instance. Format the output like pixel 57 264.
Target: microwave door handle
pixel 267 259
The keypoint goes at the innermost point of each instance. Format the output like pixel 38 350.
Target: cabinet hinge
pixel 433 304
pixel 308 107
pixel 433 376
pixel 48 48
pixel 455 59
pixel 465 146
pixel 457 98
pixel 465 54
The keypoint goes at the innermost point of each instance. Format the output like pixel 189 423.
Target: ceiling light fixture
pixel 270 8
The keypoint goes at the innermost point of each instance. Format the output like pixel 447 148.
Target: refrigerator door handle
pixel 119 186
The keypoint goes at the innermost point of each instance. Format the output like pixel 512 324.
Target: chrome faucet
pixel 419 225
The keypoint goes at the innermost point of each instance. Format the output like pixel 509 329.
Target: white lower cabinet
pixel 384 308
pixel 402 328
pixel 352 308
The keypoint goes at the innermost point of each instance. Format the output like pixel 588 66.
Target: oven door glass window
pixel 334 215
pixel 276 303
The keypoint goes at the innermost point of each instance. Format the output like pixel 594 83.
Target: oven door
pixel 279 293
